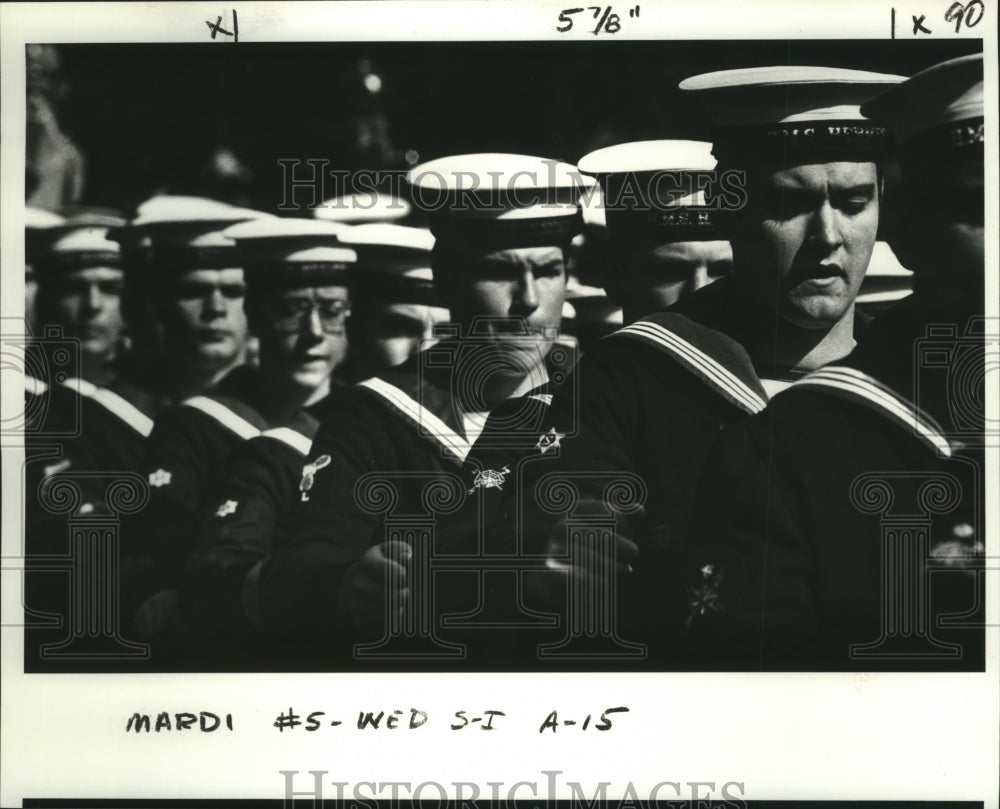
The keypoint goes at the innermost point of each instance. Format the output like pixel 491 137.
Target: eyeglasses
pixel 290 316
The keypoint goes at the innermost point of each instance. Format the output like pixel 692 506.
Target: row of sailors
pixel 279 501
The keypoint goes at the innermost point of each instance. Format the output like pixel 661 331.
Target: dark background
pixel 149 117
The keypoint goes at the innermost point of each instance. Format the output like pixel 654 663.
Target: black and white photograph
pixel 382 370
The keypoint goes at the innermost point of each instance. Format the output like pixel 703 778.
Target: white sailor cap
pixel 656 188
pixel 363 208
pixel 38 218
pixel 785 111
pixel 394 263
pixel 74 246
pixel 94 215
pixel 497 201
pixel 936 114
pixel 187 232
pixel 36 222
pixel 283 253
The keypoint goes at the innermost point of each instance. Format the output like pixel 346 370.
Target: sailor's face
pixel 203 314
pixel 803 242
pixel 659 275
pixel 518 289
pixel 305 336
pixel 396 331
pixel 87 303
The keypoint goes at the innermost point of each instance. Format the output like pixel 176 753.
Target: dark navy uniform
pixel 479 589
pixel 405 432
pixel 88 429
pixel 646 403
pixel 511 430
pixel 650 402
pixel 260 485
pixel 186 455
pixel 817 516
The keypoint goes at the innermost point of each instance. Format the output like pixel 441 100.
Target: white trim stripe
pixel 430 424
pixel 544 398
pixel 34 387
pixel 222 414
pixel 81 386
pixel 111 401
pixel 291 437
pixel 858 383
pixel 717 373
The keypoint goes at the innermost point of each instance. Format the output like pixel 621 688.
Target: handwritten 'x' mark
pixel 918 24
pixel 217 28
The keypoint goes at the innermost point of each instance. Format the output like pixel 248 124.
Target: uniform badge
pixel 963 550
pixel 227 508
pixel 309 474
pixel 161 477
pixel 56 468
pixel 490 479
pixel 705 597
pixel 549 440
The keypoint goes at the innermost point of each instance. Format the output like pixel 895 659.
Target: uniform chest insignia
pixel 309 474
pixel 227 508
pixel 161 477
pixel 549 440
pixel 962 550
pixel 490 479
pixel 704 598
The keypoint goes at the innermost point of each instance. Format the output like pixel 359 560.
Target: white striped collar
pixel 293 438
pixel 859 386
pixel 222 414
pixel 111 401
pixel 707 367
pixel 428 424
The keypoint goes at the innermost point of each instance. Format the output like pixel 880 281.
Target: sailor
pixel 663 241
pixel 81 426
pixel 297 303
pixel 73 284
pixel 653 396
pixel 196 289
pixel 838 528
pixel 80 289
pixel 394 306
pixel 80 285
pixel 499 265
